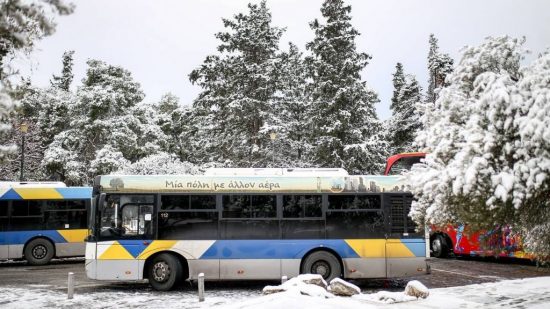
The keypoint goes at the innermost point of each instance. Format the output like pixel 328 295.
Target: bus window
pixel 125 216
pixel 302 206
pixel 3 215
pixel 354 202
pixel 249 206
pixel 188 225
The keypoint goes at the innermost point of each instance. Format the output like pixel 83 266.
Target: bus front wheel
pixel 322 263
pixel 165 271
pixel 39 251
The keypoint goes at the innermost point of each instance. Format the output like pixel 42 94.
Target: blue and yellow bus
pixel 40 221
pixel 169 228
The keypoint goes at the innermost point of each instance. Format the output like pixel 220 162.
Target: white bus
pixel 40 221
pixel 169 228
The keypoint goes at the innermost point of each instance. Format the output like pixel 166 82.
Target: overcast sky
pixel 161 41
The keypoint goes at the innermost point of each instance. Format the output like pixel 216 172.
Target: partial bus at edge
pixel 41 221
pixel 458 239
pixel 170 228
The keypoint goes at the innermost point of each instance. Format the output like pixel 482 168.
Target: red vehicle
pixel 502 241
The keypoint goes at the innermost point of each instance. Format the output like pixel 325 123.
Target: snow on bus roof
pixel 32 184
pixel 317 172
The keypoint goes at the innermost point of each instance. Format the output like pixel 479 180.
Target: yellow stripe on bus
pixel 156 246
pixel 38 193
pixel 396 249
pixel 73 235
pixel 379 248
pixel 116 252
pixel 368 248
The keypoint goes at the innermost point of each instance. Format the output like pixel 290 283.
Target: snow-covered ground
pixel 524 293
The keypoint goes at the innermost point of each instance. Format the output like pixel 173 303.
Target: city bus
pixel 459 239
pixel 170 228
pixel 40 221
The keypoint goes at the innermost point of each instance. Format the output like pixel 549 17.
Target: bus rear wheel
pixel 39 251
pixel 165 271
pixel 322 263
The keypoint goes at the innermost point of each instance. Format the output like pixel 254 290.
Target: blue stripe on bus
pixel 134 247
pixel 417 246
pixel 274 249
pixel 11 195
pixel 21 237
pixel 75 192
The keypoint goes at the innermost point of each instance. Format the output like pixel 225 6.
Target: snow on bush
pixel 489 145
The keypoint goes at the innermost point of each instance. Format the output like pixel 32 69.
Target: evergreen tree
pixel 21 24
pixel 439 66
pixel 64 81
pixel 404 122
pixel 290 120
pixel 344 124
pixel 105 131
pixel 487 138
pixel 238 89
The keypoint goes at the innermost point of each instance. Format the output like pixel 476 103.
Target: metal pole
pixel 22 155
pixel 201 287
pixel 70 286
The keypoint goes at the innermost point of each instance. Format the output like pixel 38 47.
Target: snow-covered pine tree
pixel 238 87
pixel 290 120
pixel 344 124
pixel 439 66
pixel 104 133
pixel 405 121
pixel 487 137
pixel 21 24
pixel 64 80
pixel 159 163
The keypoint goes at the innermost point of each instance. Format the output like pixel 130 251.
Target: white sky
pixel 161 41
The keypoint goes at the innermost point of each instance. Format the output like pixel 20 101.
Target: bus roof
pixel 317 172
pixel 250 184
pixel 33 184
pixel 45 193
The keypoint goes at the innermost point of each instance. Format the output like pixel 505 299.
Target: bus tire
pixel 39 251
pixel 439 246
pixel 323 263
pixel 165 271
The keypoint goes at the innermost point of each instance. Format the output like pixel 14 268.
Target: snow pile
pixel 308 284
pixel 385 297
pixel 343 288
pixel 314 286
pixel 417 289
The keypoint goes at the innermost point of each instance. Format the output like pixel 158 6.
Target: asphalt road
pixel 445 273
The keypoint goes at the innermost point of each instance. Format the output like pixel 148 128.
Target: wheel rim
pixel 161 271
pixel 436 246
pixel 39 252
pixel 321 268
